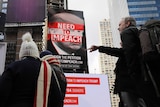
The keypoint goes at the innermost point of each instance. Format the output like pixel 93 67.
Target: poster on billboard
pixel 66 39
pixel 25 11
pixel 87 90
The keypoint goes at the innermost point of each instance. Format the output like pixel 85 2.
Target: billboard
pixel 25 11
pixel 87 90
pixel 66 39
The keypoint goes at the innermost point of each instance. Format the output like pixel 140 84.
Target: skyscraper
pixel 107 62
pixel 143 10
pixel 117 10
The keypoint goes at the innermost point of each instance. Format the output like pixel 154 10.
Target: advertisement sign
pixel 87 90
pixel 66 39
pixel 25 11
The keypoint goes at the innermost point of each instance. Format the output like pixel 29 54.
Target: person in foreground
pixel 58 77
pixel 28 81
pixel 128 65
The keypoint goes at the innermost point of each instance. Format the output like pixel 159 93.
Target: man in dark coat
pixel 128 69
pixel 123 82
pixel 129 35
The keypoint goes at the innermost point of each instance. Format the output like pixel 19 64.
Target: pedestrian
pixel 149 37
pixel 58 77
pixel 123 82
pixel 27 81
pixel 128 69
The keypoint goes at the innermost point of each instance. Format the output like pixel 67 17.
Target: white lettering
pixel 66 26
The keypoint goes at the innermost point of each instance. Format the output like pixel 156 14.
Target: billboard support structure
pixel 3 48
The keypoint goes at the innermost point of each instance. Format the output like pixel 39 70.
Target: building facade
pixel 107 62
pixel 15 29
pixel 143 10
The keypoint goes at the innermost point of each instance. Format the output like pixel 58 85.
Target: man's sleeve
pixel 111 51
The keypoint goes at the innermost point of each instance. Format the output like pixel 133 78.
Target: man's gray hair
pixel 131 20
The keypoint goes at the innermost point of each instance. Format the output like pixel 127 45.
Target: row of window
pixel 138 0
pixel 143 9
pixel 141 3
pixel 4 6
pixel 145 15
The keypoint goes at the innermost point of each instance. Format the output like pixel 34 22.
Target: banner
pixel 66 39
pixel 25 11
pixel 87 90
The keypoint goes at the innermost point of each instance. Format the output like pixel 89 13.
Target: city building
pixel 143 10
pixel 14 29
pixel 117 10
pixel 107 62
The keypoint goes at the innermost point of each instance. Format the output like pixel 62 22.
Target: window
pixel 4 5
pixel 5 0
pixel 4 10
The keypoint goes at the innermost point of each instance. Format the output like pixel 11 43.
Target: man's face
pixel 122 25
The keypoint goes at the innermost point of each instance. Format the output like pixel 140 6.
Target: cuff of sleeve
pixel 100 48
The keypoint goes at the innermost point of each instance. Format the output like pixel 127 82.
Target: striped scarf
pixel 43 85
pixel 51 59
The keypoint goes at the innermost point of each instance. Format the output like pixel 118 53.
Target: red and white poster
pixel 66 39
pixel 87 90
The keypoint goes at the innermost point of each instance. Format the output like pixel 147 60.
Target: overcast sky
pixel 94 11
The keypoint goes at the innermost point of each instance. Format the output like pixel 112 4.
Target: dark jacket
pixel 132 51
pixel 123 81
pixel 18 84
